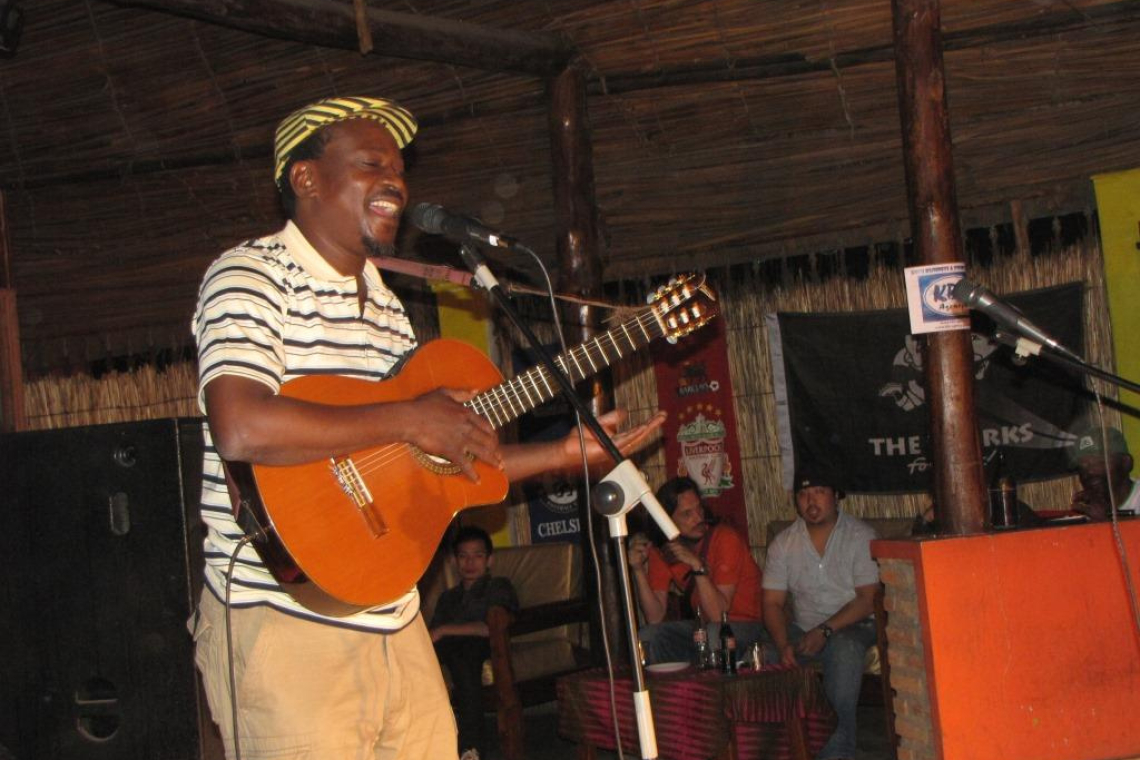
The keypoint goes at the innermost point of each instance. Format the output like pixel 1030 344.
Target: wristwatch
pixel 702 570
pixel 825 629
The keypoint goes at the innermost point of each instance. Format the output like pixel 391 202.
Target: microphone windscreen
pixel 966 291
pixel 429 218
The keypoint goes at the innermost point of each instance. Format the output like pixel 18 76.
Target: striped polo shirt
pixel 271 310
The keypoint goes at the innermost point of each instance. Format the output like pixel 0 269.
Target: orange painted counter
pixel 1031 648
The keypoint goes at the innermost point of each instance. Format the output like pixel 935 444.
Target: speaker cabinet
pixel 101 547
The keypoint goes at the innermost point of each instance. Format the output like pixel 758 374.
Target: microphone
pixel 436 220
pixel 981 299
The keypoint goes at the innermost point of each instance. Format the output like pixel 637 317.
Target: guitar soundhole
pixel 432 463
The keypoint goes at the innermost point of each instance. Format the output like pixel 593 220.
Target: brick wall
pixel 913 722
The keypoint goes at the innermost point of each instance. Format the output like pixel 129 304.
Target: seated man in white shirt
pixel 824 561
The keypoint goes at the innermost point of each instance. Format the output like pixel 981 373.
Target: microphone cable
pixel 1121 549
pixel 230 646
pixel 604 628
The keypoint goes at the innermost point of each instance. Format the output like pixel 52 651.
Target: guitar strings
pixel 505 402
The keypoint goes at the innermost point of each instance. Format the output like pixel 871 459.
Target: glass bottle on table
pixel 701 641
pixel 727 646
pixel 1003 495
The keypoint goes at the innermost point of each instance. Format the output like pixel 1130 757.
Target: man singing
pixel 301 301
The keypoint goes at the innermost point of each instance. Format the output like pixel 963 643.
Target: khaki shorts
pixel 312 691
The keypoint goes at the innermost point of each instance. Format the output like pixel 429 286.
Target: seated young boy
pixel 459 631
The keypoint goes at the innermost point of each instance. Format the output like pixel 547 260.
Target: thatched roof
pixel 134 142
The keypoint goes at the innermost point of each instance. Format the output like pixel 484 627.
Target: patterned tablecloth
pixel 694 711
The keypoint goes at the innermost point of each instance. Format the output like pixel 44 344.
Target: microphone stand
pixel 1025 347
pixel 616 494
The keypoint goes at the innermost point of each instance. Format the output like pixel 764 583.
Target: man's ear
pixel 1126 463
pixel 303 178
pixel 490 560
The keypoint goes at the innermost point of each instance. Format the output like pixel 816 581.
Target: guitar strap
pixel 440 273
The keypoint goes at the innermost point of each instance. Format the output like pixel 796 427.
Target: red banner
pixel 694 386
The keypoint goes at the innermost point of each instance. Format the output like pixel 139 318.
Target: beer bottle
pixel 1003 495
pixel 701 641
pixel 727 646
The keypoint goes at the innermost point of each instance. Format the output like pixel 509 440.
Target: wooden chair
pixel 545 639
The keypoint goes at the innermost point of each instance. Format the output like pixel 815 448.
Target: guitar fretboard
pixel 508 401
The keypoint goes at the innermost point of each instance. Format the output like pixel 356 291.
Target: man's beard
pixel 694 541
pixel 376 248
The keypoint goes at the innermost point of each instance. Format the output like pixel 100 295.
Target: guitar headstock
pixel 683 304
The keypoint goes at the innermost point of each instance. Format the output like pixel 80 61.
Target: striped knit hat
pixel 295 128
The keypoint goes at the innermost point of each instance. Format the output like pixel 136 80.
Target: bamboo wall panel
pixel 144 394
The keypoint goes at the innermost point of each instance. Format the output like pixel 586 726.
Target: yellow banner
pixel 464 314
pixel 1118 206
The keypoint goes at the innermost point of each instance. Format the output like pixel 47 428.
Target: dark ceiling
pixel 134 139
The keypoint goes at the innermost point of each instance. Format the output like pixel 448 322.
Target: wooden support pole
pixel 960 495
pixel 12 414
pixel 580 272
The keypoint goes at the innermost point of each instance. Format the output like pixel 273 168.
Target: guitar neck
pixel 510 400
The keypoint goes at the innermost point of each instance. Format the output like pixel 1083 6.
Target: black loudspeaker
pixel 101 548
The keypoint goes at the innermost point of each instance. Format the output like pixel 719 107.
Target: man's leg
pixel 304 689
pixel 843 661
pixel 464 656
pixel 671 641
pixel 772 656
pixel 419 722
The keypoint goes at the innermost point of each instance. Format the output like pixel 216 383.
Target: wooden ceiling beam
pixel 400 35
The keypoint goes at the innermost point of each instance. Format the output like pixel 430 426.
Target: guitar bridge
pixel 354 487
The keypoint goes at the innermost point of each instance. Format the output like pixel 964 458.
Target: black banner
pixel 850 394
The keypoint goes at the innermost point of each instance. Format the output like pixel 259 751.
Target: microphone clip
pixel 481 273
pixel 1022 347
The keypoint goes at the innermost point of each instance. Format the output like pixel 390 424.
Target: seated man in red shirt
pixel 710 564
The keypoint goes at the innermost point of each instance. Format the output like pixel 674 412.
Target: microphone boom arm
pixel 1024 346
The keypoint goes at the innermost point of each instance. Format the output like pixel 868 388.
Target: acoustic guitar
pixel 357 531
